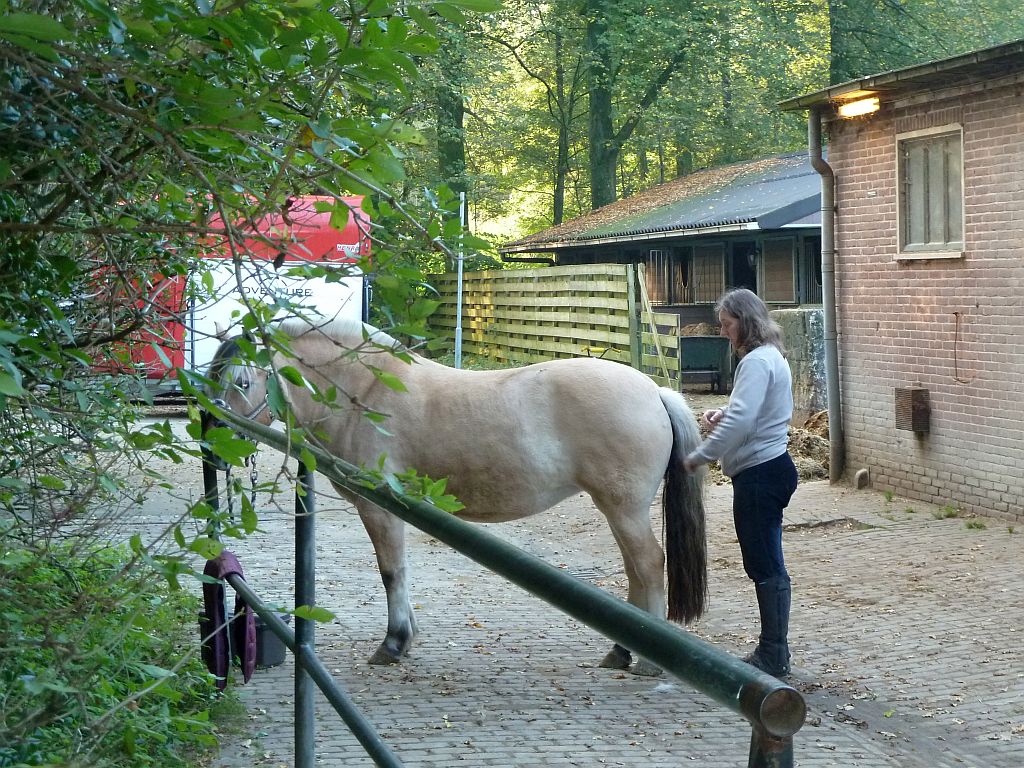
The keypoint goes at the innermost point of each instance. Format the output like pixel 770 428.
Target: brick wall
pixel 953 326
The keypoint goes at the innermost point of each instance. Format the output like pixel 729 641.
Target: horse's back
pixel 520 440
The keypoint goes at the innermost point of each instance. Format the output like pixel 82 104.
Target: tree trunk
pixel 840 22
pixel 564 115
pixel 604 151
pixel 684 157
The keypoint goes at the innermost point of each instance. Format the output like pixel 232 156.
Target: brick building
pixel 928 264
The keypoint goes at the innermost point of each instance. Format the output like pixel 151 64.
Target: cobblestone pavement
pixel 906 634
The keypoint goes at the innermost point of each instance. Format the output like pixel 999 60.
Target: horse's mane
pixel 346 331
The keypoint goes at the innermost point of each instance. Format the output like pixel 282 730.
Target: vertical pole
pixel 836 435
pixel 211 489
pixel 305 586
pixel 633 307
pixel 458 285
pixel 767 751
pixel 211 493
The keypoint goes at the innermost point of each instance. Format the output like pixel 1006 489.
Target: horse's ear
pixel 220 331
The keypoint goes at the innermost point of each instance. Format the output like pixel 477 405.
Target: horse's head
pixel 241 386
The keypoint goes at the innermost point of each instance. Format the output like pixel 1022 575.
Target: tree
pixel 540 38
pixel 612 30
pixel 873 36
pixel 451 136
pixel 122 131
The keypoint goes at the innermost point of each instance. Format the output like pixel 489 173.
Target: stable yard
pixel 904 635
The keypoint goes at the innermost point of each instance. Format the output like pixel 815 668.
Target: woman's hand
pixel 713 416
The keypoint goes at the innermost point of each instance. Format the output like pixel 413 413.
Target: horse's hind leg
pixel 645 572
pixel 387 533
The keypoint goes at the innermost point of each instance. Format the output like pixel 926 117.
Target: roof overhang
pixel 626 237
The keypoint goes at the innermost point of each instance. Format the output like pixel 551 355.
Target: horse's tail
pixel 682 504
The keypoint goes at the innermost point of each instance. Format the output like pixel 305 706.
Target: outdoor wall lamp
pixel 859 107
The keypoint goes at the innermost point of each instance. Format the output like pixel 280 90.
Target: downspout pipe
pixel 837 442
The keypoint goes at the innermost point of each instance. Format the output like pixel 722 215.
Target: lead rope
pixel 253 477
pixel 250 461
pixel 229 494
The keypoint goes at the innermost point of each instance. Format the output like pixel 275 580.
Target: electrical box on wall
pixel 913 410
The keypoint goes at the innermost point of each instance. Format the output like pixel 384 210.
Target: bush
pixel 97 668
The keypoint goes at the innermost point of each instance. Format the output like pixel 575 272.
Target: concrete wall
pixel 803 330
pixel 953 326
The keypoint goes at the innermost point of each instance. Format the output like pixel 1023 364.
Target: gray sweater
pixel 755 426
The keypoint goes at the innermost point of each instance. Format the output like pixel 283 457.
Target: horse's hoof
pixel 645 668
pixel 382 656
pixel 617 658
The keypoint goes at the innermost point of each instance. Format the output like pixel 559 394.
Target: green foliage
pixel 134 138
pixel 873 36
pixel 975 525
pixel 530 106
pixel 421 487
pixel 96 668
pixel 313 613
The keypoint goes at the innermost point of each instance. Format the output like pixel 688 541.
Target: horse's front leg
pixel 387 533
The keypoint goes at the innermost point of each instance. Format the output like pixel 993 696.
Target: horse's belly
pixel 511 505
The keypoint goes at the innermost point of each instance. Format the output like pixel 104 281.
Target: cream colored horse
pixel 512 443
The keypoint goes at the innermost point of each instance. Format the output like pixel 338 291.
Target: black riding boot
pixel 772 652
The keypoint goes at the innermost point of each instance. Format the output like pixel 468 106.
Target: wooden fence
pixel 530 315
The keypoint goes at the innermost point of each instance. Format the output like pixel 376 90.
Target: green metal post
pixel 361 728
pixel 305 629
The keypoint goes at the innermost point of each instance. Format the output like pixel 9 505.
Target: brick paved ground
pixel 907 637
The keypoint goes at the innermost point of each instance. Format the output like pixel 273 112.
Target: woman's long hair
pixel 756 325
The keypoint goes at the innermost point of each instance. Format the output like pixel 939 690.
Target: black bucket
pixel 270 649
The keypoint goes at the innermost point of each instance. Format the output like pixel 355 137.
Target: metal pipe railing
pixel 775 710
pixel 361 728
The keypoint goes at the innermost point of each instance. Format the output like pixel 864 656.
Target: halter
pixel 260 407
pixel 251 414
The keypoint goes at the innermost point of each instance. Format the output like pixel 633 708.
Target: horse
pixel 512 443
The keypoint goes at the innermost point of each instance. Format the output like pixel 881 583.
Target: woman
pixel 749 437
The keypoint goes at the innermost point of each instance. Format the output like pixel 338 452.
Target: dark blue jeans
pixel 759 494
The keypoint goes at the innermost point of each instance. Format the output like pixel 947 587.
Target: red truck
pixel 184 336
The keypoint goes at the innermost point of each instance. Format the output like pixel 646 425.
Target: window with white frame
pixel 931 195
